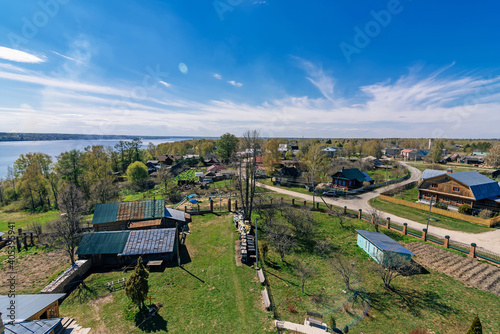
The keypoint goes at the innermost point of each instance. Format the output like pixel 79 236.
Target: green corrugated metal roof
pixel 351 174
pixel 105 213
pixel 108 212
pixel 103 243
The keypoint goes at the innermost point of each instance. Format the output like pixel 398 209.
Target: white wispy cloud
pixel 166 84
pixel 19 56
pixel 71 58
pixel 318 77
pixel 217 76
pixel 234 83
pixel 414 105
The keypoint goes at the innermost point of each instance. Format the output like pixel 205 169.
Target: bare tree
pixel 302 220
pixel 393 265
pixel 345 267
pixel 316 162
pixel 280 236
pixel 337 213
pixel 304 271
pixel 247 169
pixel 68 231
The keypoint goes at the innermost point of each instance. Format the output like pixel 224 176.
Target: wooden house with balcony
pixel 455 189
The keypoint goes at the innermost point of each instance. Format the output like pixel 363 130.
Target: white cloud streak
pixel 19 56
pixel 235 84
pixel 217 76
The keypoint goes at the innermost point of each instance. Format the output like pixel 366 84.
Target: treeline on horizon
pixel 13 136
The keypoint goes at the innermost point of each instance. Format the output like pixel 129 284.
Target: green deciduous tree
pixel 226 146
pixel 137 172
pixel 316 162
pixel 272 156
pixel 436 152
pixel 137 286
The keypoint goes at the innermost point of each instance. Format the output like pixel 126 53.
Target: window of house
pixel 104 228
pixel 434 185
pixel 456 188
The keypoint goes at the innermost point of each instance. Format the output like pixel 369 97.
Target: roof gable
pixel 430 173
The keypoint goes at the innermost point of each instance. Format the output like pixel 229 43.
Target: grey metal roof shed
pixel 44 326
pixel 154 241
pixel 380 247
pixel 27 305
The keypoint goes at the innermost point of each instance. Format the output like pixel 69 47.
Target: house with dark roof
pixel 287 176
pixel 127 215
pixel 119 248
pixel 166 159
pixel 455 189
pixel 472 160
pixel 30 307
pixel 414 154
pixel 380 247
pixel 496 174
pixel 351 178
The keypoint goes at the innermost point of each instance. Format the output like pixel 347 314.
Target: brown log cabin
pixel 455 189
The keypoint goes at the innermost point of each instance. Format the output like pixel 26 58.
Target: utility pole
pixel 429 217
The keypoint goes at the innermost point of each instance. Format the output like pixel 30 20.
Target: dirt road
pixel 487 240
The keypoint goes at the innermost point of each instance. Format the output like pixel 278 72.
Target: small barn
pixel 379 246
pixel 120 248
pixel 30 307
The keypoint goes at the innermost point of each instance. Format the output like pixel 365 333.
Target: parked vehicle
pixel 330 193
pixel 208 181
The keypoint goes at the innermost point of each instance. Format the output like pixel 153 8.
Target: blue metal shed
pixel 377 245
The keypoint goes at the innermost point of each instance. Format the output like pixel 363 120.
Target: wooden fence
pixel 486 222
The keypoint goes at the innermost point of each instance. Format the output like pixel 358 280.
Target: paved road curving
pixel 487 240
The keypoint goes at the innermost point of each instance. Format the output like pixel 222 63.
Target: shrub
pixel 465 209
pixel 440 205
pixel 485 214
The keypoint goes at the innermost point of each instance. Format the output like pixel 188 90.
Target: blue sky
pixel 287 68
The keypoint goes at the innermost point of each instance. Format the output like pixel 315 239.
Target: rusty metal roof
pixel 145 223
pixel 124 211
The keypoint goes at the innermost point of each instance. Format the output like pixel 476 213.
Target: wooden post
pixel 373 219
pixel 229 204
pixel 235 205
pixel 446 241
pixel 211 206
pixel 424 234
pixel 20 231
pixel 25 241
pixel 281 200
pixel 185 208
pixel 472 252
pixel 359 213
pixel 293 201
pixel 305 203
pixel 388 223
pixel 18 244
pixel 345 210
pixel 405 228
pixel 31 237
pixel 317 205
pixel 271 199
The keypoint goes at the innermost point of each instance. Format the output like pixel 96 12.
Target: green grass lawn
pixel 430 301
pixel 210 295
pixel 420 216
pixel 381 174
pixel 408 195
pixel 21 219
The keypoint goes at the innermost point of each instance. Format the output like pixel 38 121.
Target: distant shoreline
pixel 16 137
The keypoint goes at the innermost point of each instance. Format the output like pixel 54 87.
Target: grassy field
pixel 408 195
pixel 421 217
pixel 456 167
pixel 21 219
pixel 430 301
pixel 380 174
pixel 209 295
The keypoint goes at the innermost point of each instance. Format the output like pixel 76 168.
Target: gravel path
pixel 487 240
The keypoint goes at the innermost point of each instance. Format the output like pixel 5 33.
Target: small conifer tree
pixel 475 327
pixel 137 286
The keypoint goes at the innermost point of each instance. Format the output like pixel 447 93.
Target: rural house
pixel 380 247
pixel 455 189
pixel 495 175
pixel 287 176
pixel 119 248
pixel 414 154
pixel 166 159
pixel 31 307
pixel 351 178
pixel 138 214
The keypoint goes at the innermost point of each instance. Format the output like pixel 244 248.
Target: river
pixel 10 150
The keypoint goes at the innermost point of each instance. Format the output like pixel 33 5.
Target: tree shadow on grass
pixel 412 300
pixel 150 322
pixel 284 280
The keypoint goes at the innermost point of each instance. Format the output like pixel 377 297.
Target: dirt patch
pixel 34 270
pixel 237 253
pixel 468 270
